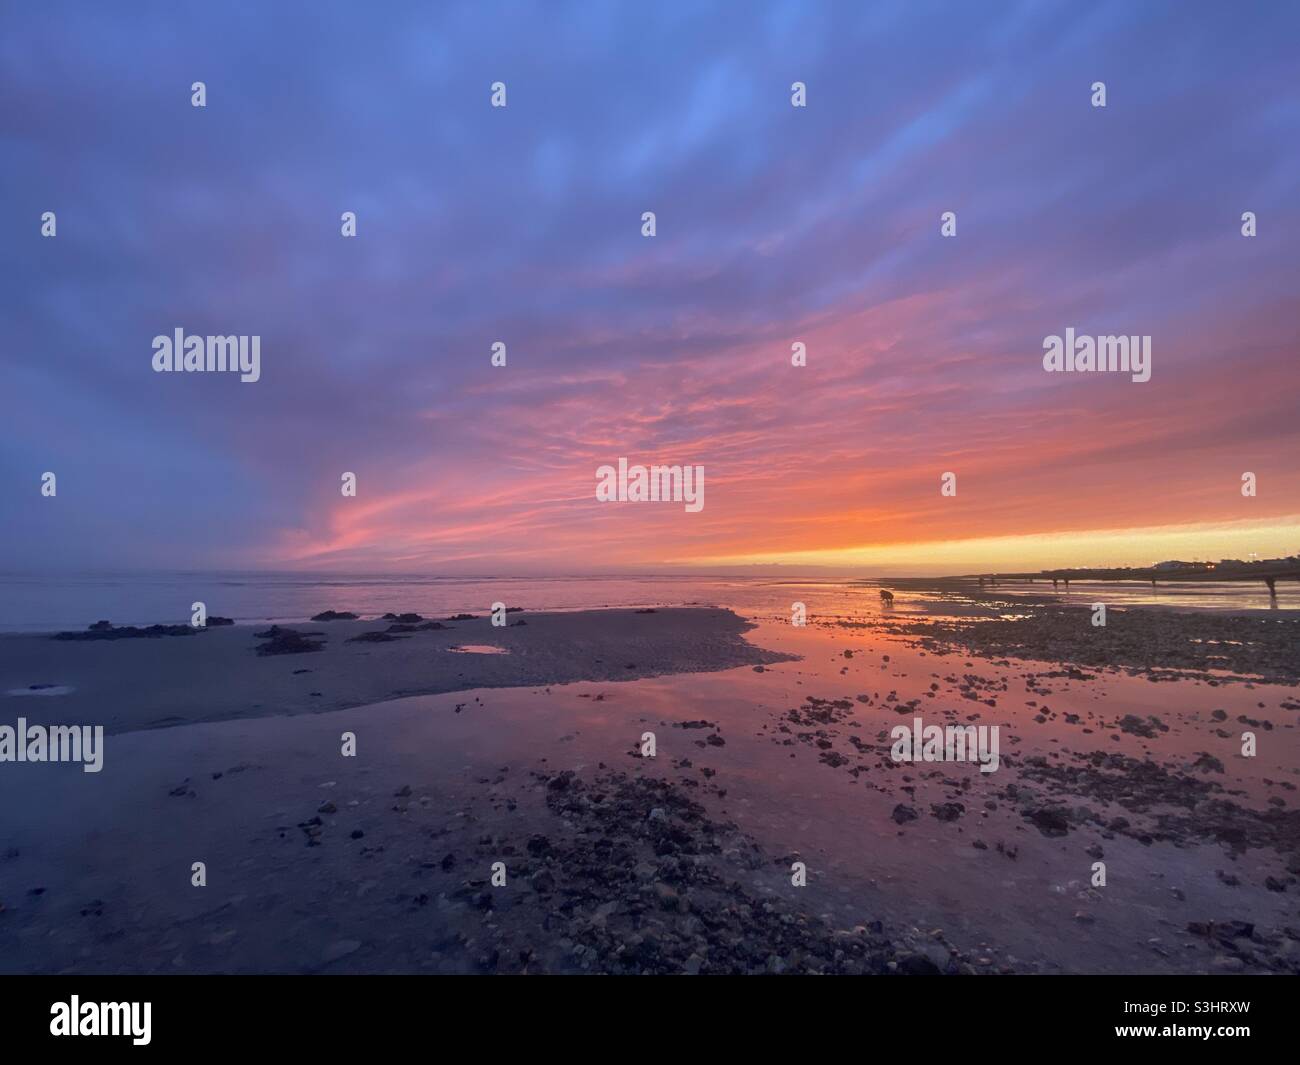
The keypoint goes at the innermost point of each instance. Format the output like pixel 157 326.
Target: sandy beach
pixel 216 674
pixel 772 749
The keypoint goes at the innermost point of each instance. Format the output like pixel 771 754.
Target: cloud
pixel 523 225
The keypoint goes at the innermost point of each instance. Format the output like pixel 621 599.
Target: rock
pixel 1207 763
pixel 947 811
pixel 903 813
pixel 1224 931
pixel 102 630
pixel 376 636
pixel 335 615
pixel 1049 821
pixel 918 965
pixel 1136 726
pixel 286 642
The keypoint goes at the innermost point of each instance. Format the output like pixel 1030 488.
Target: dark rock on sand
pixel 1224 931
pixel 1207 763
pixel 375 636
pixel 947 811
pixel 335 615
pixel 286 642
pixel 1049 821
pixel 427 626
pixel 1136 726
pixel 103 630
pixel 276 631
pixel 658 893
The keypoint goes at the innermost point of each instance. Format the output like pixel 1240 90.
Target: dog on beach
pixel 886 597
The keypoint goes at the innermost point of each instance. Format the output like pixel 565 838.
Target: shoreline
pixel 1159 644
pixel 218 674
pixel 773 753
pixel 955 591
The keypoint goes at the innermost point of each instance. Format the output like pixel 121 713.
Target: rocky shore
pixel 514 823
pixel 1162 644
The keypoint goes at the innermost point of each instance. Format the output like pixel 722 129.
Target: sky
pixel 522 224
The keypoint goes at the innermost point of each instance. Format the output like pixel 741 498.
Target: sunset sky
pixel 523 225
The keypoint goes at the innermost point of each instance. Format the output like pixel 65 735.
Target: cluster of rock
pixel 106 630
pixel 282 641
pixel 636 878
pixel 1161 644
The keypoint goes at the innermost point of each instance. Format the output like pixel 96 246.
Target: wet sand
pixel 218 674
pixel 682 862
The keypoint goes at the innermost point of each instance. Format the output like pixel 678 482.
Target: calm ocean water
pixel 38 603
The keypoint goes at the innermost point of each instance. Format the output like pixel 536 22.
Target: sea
pixel 45 603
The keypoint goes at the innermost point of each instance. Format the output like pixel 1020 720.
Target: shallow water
pixel 1023 900
pixel 35 604
pixel 1035 911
